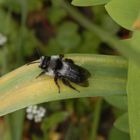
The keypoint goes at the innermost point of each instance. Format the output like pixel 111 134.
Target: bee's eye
pixel 44 62
pixel 43 66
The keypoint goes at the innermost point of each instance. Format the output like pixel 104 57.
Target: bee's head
pixel 44 62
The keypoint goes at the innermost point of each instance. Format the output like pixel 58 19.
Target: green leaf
pixel 133 89
pixel 124 12
pixel 117 101
pixel 88 45
pixel 68 36
pixel 8 22
pixel 116 134
pixel 4 131
pixel 52 49
pixel 56 14
pixel 21 88
pixel 89 2
pixel 16 125
pixel 135 41
pixel 122 123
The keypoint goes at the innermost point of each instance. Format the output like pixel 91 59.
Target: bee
pixel 63 69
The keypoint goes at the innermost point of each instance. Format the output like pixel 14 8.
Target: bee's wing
pixel 84 72
pixel 78 75
pixel 84 75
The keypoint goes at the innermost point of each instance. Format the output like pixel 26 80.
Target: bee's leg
pixel 67 83
pixel 56 82
pixel 42 73
pixel 32 62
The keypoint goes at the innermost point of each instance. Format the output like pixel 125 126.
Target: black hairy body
pixel 63 69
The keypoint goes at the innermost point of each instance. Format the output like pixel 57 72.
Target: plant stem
pixel 20 45
pixel 96 119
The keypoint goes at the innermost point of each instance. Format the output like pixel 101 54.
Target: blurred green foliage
pixel 44 25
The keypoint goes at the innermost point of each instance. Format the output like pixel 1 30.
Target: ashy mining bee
pixel 64 69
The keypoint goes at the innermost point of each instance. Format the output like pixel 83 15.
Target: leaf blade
pixel 118 101
pixel 88 2
pixel 122 123
pixel 28 90
pixel 133 89
pixel 124 15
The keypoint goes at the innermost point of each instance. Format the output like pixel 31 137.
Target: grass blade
pixel 16 125
pixel 20 88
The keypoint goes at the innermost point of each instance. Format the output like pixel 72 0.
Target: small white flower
pixel 41 111
pixel 37 119
pixel 34 109
pixel 29 109
pixel 35 113
pixel 3 39
pixel 30 116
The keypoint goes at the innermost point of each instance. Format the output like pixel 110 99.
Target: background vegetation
pixel 109 27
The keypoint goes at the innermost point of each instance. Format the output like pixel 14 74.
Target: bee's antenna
pixel 38 52
pixel 33 62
